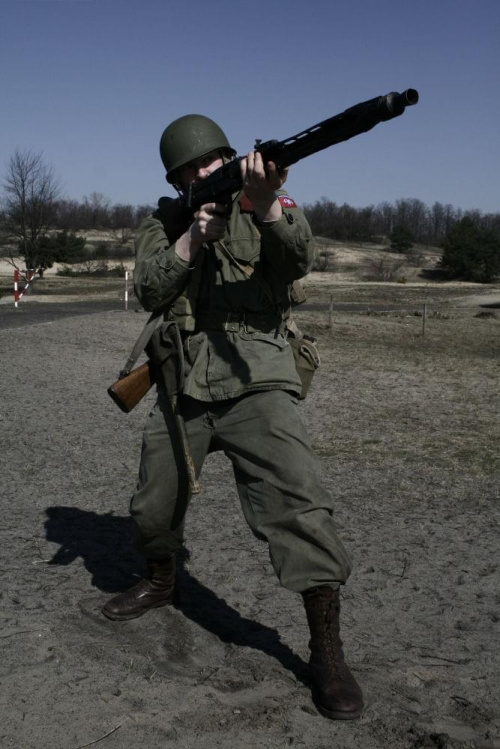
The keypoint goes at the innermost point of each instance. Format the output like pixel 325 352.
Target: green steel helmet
pixel 188 138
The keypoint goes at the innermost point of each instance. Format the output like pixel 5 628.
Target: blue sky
pixel 92 84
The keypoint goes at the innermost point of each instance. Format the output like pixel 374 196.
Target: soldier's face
pixel 199 169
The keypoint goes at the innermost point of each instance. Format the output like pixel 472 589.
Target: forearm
pixel 187 246
pixel 287 244
pixel 269 211
pixel 286 236
pixel 160 273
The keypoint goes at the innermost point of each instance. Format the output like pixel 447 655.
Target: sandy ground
pixel 397 432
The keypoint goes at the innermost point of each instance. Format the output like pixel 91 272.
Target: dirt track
pixel 410 451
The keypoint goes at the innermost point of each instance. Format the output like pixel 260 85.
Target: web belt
pixel 250 322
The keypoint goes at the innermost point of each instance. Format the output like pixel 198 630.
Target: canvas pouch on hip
pixel 307 361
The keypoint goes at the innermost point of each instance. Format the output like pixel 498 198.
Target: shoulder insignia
pixel 286 201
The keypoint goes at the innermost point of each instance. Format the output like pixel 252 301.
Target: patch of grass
pixel 402 404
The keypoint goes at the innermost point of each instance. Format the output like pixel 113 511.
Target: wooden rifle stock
pixel 128 390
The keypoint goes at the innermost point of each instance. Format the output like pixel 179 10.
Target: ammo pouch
pixel 306 358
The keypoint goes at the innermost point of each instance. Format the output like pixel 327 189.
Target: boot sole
pixel 126 617
pixel 339 715
pixel 336 714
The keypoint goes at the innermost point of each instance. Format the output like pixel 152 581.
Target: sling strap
pixel 141 343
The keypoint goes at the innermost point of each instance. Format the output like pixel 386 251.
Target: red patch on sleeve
pixel 286 201
pixel 246 204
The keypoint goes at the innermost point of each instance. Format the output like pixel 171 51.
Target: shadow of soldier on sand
pixel 106 545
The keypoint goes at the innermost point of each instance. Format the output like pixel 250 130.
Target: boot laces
pixel 333 645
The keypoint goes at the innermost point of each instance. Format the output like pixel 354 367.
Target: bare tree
pixel 97 206
pixel 31 190
pixel 141 212
pixel 385 218
pixel 122 222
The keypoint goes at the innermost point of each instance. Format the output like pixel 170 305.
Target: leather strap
pixel 141 343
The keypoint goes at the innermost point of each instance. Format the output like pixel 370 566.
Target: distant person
pixel 226 281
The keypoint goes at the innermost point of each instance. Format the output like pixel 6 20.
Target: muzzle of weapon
pixel 395 104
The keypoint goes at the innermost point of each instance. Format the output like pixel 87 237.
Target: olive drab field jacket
pixel 232 303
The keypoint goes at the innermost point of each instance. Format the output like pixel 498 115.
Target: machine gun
pixel 226 180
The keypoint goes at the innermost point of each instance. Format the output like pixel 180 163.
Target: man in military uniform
pixel 226 280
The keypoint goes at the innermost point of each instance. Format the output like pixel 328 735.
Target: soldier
pixel 227 282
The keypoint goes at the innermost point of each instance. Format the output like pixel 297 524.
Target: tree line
pixel 97 212
pixel 429 225
pixel 42 225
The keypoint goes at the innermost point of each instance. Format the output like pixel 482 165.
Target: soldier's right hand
pixel 209 223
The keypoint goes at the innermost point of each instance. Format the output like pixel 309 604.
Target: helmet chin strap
pixel 174 185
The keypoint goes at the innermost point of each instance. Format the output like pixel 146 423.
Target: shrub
pixel 101 251
pixel 47 250
pixel 63 247
pixel 471 253
pixel 401 239
pixel 322 258
pixel 382 269
pixel 93 267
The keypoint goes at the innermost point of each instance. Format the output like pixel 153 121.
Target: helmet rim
pixel 188 138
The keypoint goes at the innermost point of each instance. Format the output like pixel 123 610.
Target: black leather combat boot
pixel 158 589
pixel 335 690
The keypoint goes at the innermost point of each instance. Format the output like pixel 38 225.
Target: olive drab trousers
pixel 277 476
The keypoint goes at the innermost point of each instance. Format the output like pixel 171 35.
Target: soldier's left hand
pixel 260 182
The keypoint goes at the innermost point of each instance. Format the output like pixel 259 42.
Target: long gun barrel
pixel 356 120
